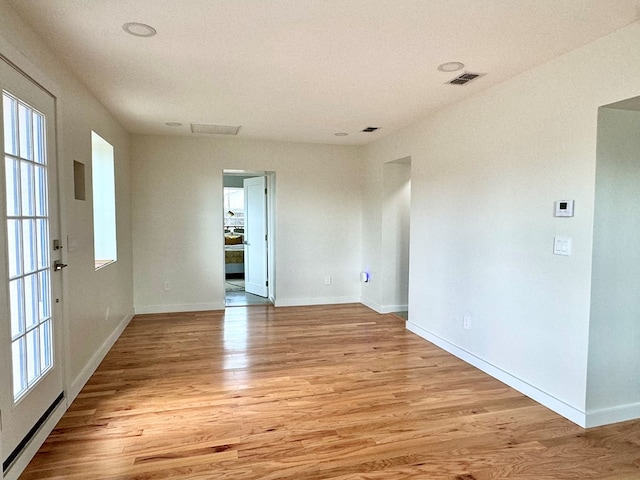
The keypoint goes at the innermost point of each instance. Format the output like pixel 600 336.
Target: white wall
pixel 485 174
pixel 613 389
pixel 177 190
pixel 87 295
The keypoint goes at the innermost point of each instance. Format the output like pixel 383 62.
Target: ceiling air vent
pixel 464 78
pixel 370 129
pixel 215 129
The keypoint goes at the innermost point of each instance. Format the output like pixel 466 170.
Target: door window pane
pixel 31 310
pixel 38 138
pixel 12 172
pixel 41 191
pixel 29 244
pixel 17 310
pixel 33 356
pixel 42 248
pixel 10 132
pixel 14 243
pixel 24 132
pixel 19 358
pixel 46 356
pixel 26 185
pixel 44 299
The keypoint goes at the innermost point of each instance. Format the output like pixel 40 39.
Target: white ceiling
pixel 302 70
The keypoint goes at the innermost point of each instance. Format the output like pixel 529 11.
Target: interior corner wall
pixel 613 390
pixel 177 191
pixel 97 305
pixel 484 177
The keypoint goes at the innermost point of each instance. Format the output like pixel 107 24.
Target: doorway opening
pixel 248 252
pixel 395 237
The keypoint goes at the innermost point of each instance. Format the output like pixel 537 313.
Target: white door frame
pixel 271 224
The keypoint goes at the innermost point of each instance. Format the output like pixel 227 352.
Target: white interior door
pixel 30 353
pixel 255 234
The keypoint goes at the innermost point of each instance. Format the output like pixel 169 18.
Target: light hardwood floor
pixel 335 392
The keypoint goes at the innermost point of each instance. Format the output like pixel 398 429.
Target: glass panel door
pixel 30 337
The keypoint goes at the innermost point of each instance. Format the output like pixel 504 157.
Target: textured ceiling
pixel 302 70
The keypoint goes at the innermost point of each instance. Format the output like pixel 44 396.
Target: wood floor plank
pixel 325 392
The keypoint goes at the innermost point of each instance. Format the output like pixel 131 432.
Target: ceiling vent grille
pixel 370 129
pixel 464 78
pixel 215 129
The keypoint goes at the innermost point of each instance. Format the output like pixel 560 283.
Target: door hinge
pixel 265 238
pixel 266 284
pixel 265 191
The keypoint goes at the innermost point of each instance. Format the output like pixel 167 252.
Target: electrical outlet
pixel 167 286
pixel 327 280
pixel 466 322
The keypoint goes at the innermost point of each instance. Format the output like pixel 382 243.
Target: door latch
pixel 58 265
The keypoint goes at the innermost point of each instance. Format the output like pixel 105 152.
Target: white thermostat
pixel 564 208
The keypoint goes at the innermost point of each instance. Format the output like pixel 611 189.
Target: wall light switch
pixel 72 243
pixel 562 246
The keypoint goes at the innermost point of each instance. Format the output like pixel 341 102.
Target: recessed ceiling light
pixel 451 67
pixel 139 29
pixel 341 134
pixel 173 124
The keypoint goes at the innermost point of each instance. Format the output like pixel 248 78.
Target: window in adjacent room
pixel 234 209
pixel 104 202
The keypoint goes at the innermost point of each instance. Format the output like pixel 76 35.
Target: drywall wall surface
pixel 614 343
pixel 96 303
pixel 177 190
pixel 484 177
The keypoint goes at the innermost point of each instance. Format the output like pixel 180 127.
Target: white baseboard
pixel 607 416
pixel 184 307
pixel 383 308
pixel 394 308
pixel 552 403
pixel 301 302
pixel 371 304
pixel 83 377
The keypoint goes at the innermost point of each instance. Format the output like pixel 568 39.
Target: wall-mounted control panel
pixel 564 208
pixel 562 246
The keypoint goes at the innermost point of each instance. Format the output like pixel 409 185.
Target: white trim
pixel 17 58
pixel 301 302
pixel 607 416
pixel 371 304
pixel 552 403
pixel 27 453
pixel 185 307
pixel 393 308
pixel 383 309
pixel 83 377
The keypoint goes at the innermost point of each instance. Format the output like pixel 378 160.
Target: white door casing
pixel 30 314
pixel 255 225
